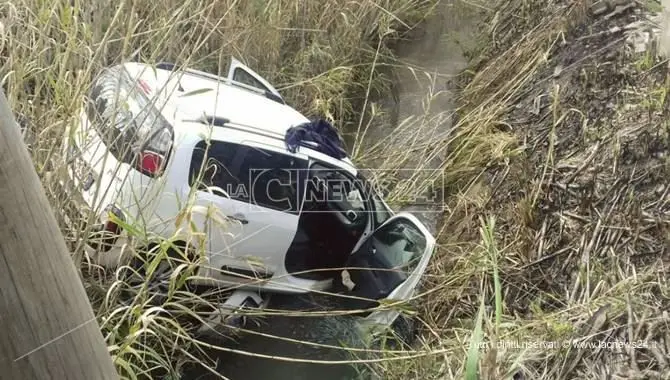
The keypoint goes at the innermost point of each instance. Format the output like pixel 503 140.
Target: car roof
pixel 249 114
pixel 231 133
pixel 202 95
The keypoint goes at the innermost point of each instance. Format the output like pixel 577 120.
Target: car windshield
pixel 401 244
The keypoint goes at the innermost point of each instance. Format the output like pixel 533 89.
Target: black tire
pixel 401 334
pixel 159 282
pixel 405 330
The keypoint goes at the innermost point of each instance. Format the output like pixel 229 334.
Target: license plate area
pixel 82 173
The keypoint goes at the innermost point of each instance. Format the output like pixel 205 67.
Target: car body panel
pixel 406 290
pixel 205 95
pixel 239 72
pixel 242 237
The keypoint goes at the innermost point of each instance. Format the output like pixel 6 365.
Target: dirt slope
pixel 568 114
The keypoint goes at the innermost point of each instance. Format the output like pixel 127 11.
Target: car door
pixel 252 219
pixel 389 265
pixel 240 73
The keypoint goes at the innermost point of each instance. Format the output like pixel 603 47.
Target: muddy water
pixel 420 105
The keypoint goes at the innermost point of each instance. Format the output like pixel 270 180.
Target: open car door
pixel 240 73
pixel 389 265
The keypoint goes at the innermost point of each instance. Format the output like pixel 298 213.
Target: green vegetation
pixel 323 56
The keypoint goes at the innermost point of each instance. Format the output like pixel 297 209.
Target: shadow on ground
pixel 272 356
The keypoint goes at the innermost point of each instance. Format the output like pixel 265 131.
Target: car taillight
pixel 150 163
pixel 112 227
pixel 153 154
pixel 144 86
pixel 108 232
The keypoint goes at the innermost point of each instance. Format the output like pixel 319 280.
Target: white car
pixel 153 141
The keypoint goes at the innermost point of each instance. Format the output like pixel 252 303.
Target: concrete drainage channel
pixel 421 107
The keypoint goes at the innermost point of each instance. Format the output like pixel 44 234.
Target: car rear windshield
pixel 126 120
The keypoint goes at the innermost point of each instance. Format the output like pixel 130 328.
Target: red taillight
pixel 108 231
pixel 112 227
pixel 150 163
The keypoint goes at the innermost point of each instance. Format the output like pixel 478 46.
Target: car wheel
pixel 404 332
pixel 158 281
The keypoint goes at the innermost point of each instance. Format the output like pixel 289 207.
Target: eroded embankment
pixel 562 140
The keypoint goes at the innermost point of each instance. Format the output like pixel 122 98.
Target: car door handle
pixel 216 191
pixel 239 217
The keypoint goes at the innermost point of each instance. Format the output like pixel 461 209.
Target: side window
pixel 248 174
pixel 238 72
pixel 401 244
pixel 212 165
pixel 272 178
pixel 381 213
pixel 240 75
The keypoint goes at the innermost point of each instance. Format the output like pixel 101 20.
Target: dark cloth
pixel 318 135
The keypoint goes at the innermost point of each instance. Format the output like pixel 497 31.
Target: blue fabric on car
pixel 322 136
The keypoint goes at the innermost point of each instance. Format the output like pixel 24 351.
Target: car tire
pixel 158 283
pixel 404 331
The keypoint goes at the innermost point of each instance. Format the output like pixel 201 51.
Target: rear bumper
pixel 74 207
pixel 86 224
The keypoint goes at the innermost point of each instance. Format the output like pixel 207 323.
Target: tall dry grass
pixel 494 279
pixel 322 56
pixel 553 258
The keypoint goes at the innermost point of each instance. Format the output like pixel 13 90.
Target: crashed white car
pixel 154 140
